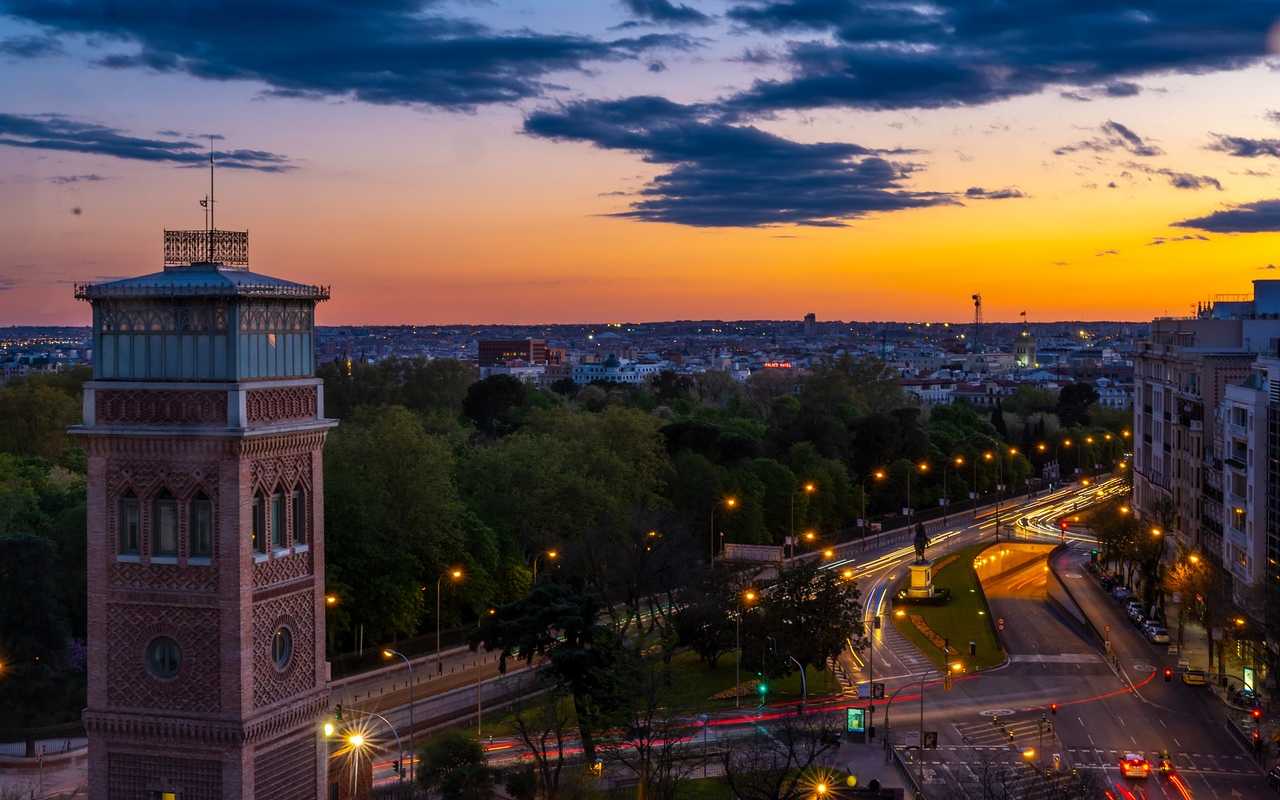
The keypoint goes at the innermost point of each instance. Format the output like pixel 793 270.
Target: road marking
pixel 1175 741
pixel 1121 721
pixel 1091 743
pixel 1162 725
pixel 1081 721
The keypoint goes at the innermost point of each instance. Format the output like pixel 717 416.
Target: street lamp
pixel 455 575
pixel 809 488
pixel 748 597
pixel 730 503
pixel 946 497
pixel 389 653
pixel 828 554
pixel 551 555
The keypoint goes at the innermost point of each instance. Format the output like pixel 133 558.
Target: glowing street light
pixel 328 730
pixel 730 503
pixel 829 553
pixel 847 573
pixel 330 600
pixel 1193 558
pixel 748 597
pixel 356 740
pixel 1156 533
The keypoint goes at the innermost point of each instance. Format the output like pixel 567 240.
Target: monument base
pixel 920 585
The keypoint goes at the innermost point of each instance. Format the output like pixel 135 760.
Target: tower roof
pixel 202 280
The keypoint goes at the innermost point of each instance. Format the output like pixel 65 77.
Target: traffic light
pixel 1256 713
pixel 395 767
pixel 1063 523
pixel 1053 708
pixel 337 712
pixel 762 686
pixel 1093 555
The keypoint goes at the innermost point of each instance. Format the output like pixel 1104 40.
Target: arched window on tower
pixel 259 523
pixel 129 533
pixel 200 526
pixel 164 525
pixel 299 516
pixel 277 520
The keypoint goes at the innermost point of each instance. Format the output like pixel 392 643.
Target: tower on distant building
pixel 1024 347
pixel 810 325
pixel 204 424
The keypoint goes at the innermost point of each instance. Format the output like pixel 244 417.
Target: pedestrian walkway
pixel 978 773
pixel 903 650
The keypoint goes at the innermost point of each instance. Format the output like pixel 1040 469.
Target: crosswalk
pixel 1207 763
pixel 981 773
pixel 903 650
pixel 1010 733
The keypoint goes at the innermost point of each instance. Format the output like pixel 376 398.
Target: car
pixel 1134 766
pixel 1195 677
pixel 1121 593
pixel 1183 665
pixel 1158 636
pixel 1273 778
pixel 1132 605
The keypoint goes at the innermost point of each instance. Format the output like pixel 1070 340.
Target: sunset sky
pixel 602 160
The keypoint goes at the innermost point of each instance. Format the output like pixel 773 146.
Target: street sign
pixel 856 720
pixel 1000 624
pixel 871 691
pixel 1248 678
pixel 930 740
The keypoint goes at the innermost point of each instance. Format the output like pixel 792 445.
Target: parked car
pixel 1158 635
pixel 1195 677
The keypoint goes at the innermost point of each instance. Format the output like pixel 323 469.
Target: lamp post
pixel 455 575
pixel 389 653
pixel 809 488
pixel 730 503
pixel 551 555
pixel 866 523
pixel 748 597
pixel 946 497
pixel 357 741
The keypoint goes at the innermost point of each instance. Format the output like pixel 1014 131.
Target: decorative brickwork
pixel 276 771
pixel 160 407
pixel 146 479
pixel 131 776
pixel 130 627
pixel 284 472
pixel 264 406
pixel 164 577
pixel 297 611
pixel 280 570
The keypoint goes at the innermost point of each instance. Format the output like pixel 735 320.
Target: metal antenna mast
pixel 212 226
pixel 977 320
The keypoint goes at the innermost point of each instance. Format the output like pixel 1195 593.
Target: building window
pixel 164 524
pixel 277 520
pixel 163 657
pixel 299 516
pixel 200 524
pixel 259 523
pixel 282 647
pixel 130 526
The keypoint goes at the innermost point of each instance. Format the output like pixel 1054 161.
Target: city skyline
pixel 555 162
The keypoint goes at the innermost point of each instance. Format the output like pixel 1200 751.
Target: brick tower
pixel 204 425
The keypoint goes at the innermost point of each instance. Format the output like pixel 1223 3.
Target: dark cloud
pixel 757 56
pixel 666 12
pixel 896 54
pixel 30 46
pixel 1243 147
pixel 979 193
pixel 1273 116
pixel 63 180
pixel 724 175
pixel 60 133
pixel 1178 180
pixel 1256 217
pixel 1114 137
pixel 1101 253
pixel 657 66
pixel 377 51
pixel 1186 237
pixel 1117 89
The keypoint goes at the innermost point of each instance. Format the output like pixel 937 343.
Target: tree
pixel 34 417
pixel 561 623
pixel 705 619
pixel 1073 404
pixel 779 764
pixel 997 421
pixel 542 723
pixel 453 763
pixel 811 615
pixel 646 738
pixel 492 404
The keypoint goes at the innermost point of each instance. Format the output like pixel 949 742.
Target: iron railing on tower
pixel 229 248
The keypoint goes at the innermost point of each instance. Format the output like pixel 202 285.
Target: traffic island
pixel 956 620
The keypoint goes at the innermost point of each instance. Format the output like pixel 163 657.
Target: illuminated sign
pixel 777 365
pixel 856 722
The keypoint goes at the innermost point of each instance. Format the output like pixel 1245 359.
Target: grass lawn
pixel 959 620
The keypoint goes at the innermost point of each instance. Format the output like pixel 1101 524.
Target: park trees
pixel 453 764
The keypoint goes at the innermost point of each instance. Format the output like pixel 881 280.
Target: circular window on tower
pixel 282 647
pixel 163 658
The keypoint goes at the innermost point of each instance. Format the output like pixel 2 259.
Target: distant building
pixel 1024 350
pixel 497 352
pixel 614 370
pixel 810 325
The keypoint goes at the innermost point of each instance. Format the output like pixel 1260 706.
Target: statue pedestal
pixel 920 585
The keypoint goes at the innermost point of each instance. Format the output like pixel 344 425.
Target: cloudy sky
pixel 595 160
